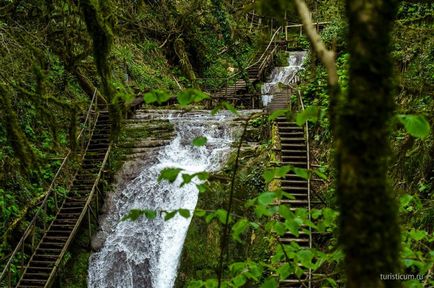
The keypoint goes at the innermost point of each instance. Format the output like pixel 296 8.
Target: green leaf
pixel 269 283
pixel 201 188
pixel 332 282
pixel 170 215
pixel 150 214
pixel 239 281
pixel 273 173
pixel 184 213
pixel 305 256
pixel 417 235
pixel 239 228
pixel 196 284
pixel 416 125
pixel 293 226
pixel 209 217
pixel 199 141
pixel 156 95
pixel 285 212
pixel 266 198
pixel 199 212
pixel 134 214
pixel 279 228
pixel 261 210
pixel 310 114
pixel 221 215
pixel 405 200
pixel 301 172
pixel 316 213
pixel 190 96
pixel 231 108
pixel 320 174
pixel 284 271
pixel 169 174
pixel 278 113
pixel 211 283
pixel 186 179
pixel 202 175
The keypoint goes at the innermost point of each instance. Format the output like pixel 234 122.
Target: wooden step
pixel 44 257
pixel 294 202
pixel 58 232
pixel 42 263
pixel 293 188
pixel 294 182
pixel 300 164
pixel 287 139
pixel 68 215
pixel 298 196
pixel 293 146
pixel 32 282
pixel 64 228
pixel 292 133
pixel 295 157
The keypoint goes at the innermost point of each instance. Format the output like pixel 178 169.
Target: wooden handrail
pixel 48 194
pixel 266 49
pixel 80 219
pixel 87 114
pixel 300 99
pixel 33 222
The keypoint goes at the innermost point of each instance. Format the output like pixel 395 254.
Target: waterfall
pixel 284 75
pixel 145 253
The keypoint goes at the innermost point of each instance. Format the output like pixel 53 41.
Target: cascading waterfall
pixel 283 75
pixel 145 253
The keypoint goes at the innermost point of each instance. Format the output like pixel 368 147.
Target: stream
pixel 145 253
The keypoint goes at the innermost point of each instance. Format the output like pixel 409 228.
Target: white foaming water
pixel 145 253
pixel 285 75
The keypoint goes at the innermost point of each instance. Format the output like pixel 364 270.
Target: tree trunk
pixel 369 230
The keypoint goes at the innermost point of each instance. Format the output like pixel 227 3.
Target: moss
pixel 77 276
pixel 369 230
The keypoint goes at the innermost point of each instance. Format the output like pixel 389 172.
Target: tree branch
pixel 326 56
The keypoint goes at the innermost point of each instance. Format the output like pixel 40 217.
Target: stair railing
pixel 266 49
pixel 300 102
pixel 38 223
pixel 267 60
pixel 86 210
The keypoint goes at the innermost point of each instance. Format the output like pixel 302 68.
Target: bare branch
pixel 326 56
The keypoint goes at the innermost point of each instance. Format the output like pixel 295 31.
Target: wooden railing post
pixel 22 259
pixel 226 88
pixel 9 277
pixel 55 200
pixel 90 224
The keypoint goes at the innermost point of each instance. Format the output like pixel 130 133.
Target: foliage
pixel 416 125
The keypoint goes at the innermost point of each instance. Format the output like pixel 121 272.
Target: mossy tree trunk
pixel 101 32
pixel 369 230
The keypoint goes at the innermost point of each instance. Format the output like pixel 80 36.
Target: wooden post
pixel 55 200
pixel 97 200
pixel 33 238
pixel 43 220
pixel 22 258
pixel 9 277
pixel 226 88
pixel 90 226
pixel 286 33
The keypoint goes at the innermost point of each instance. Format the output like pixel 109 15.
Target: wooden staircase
pixel 260 64
pixel 43 264
pixel 294 152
